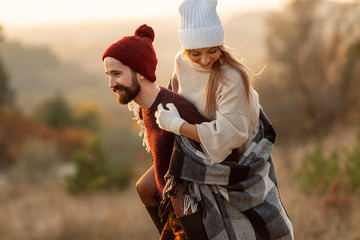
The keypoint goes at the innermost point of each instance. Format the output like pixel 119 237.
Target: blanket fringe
pixel 135 108
pixel 189 203
pixel 142 132
pixel 171 189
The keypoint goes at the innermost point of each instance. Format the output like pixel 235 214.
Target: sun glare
pixel 21 12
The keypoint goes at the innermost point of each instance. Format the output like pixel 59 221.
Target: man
pixel 130 64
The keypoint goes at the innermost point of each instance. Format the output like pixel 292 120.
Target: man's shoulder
pixel 169 96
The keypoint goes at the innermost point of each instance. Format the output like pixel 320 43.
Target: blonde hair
pixel 217 76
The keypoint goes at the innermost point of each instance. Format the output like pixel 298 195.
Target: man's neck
pixel 147 95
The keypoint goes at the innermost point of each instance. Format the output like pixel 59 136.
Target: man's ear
pixel 140 77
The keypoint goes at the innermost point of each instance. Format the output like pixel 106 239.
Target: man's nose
pixel 112 82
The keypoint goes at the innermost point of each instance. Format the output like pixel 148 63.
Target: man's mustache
pixel 119 88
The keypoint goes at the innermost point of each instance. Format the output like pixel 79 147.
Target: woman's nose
pixel 205 60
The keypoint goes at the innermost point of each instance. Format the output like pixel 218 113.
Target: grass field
pixel 45 211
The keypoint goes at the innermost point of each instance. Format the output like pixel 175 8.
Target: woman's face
pixel 204 57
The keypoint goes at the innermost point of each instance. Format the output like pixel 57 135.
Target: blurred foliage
pixel 37 160
pixel 93 171
pixel 352 168
pixel 315 67
pixel 6 94
pixel 57 113
pixel 122 144
pixel 15 129
pixel 88 119
pixel 320 171
pixel 108 162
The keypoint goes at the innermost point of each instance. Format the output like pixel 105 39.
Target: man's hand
pixel 169 120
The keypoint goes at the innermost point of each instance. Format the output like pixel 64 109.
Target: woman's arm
pixel 190 131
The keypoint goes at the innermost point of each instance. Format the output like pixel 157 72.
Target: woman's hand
pixel 169 120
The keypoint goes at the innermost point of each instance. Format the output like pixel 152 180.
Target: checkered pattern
pixel 240 200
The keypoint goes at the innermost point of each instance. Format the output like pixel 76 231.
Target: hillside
pixel 36 73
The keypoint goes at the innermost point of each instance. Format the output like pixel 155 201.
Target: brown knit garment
pixel 160 141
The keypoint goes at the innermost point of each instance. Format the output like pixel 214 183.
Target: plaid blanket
pixel 240 200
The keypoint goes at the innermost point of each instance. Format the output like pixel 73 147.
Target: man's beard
pixel 129 92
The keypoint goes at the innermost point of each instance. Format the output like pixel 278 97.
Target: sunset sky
pixel 24 12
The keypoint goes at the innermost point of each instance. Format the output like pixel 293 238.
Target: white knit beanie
pixel 200 25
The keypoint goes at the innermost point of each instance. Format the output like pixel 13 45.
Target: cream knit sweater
pixel 233 123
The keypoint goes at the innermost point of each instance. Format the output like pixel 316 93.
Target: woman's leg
pixel 148 193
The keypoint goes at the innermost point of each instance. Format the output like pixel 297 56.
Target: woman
pixel 208 76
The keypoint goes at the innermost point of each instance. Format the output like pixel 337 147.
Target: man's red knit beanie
pixel 136 51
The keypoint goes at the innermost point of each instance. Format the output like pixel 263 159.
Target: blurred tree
pixel 6 94
pixel 55 112
pixel 315 63
pixel 88 119
pixel 16 129
pixel 94 172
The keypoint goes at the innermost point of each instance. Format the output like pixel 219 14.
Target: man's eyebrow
pixel 112 71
